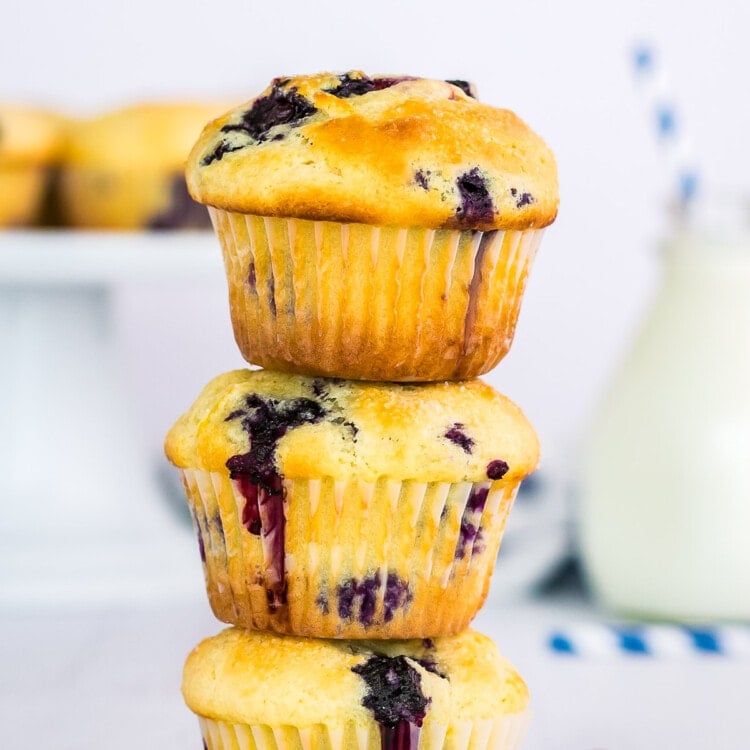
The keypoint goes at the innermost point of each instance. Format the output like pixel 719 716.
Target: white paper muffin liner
pixel 384 559
pixel 504 733
pixel 373 303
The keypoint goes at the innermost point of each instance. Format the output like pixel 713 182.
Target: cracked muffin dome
pixel 346 509
pixel 374 228
pixel 447 432
pixel 456 693
pixel 391 151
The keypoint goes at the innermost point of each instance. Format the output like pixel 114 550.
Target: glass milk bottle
pixel 665 503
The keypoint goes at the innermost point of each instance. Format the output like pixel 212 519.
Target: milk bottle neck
pixel 709 246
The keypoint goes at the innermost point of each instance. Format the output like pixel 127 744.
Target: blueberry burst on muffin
pixel 454 692
pixel 398 151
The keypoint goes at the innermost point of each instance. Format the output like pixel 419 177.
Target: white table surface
pixel 77 679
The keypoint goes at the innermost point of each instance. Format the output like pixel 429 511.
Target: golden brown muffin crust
pixel 434 432
pixel 262 678
pixel 398 151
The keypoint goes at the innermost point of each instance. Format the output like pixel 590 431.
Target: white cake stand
pixel 82 519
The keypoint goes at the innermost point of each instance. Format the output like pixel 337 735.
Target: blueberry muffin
pixel 125 169
pixel 30 141
pixel 266 691
pixel 349 509
pixel 377 228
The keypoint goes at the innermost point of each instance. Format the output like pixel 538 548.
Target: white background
pixel 565 67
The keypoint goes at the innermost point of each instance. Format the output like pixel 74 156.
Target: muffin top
pixel 29 136
pixel 144 136
pixel 257 422
pixel 382 150
pixel 261 678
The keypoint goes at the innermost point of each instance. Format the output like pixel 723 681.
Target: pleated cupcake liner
pixel 504 733
pixel 384 559
pixel 374 303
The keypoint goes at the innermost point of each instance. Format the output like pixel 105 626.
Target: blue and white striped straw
pixel 671 134
pixel 596 640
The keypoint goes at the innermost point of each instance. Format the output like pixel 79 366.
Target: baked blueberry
pixel 465 86
pixel 497 469
pixel 281 106
pixel 522 199
pixel 395 697
pixel 350 86
pixel 397 595
pixel 223 147
pixel 476 202
pixel 457 435
pixel 358 598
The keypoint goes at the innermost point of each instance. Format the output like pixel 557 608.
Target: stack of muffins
pixel 349 499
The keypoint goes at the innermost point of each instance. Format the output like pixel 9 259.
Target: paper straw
pixel 597 640
pixel 669 129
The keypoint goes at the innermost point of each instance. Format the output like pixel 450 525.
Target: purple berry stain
pixel 358 598
pixel 470 537
pixel 319 388
pixel 362 593
pixel 476 283
pixel 281 106
pixel 267 421
pixel 201 545
pixel 522 199
pixel 497 469
pixel 199 535
pixel 421 178
pixel 430 665
pixel 322 602
pixel 395 697
pixel 476 203
pixel 349 86
pixel 457 436
pixel 397 596
pixel 224 147
pixel 271 289
pixel 218 524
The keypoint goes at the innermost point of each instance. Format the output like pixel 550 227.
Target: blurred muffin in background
pixel 125 169
pixel 30 141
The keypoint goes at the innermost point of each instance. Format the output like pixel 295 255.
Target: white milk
pixel 665 507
